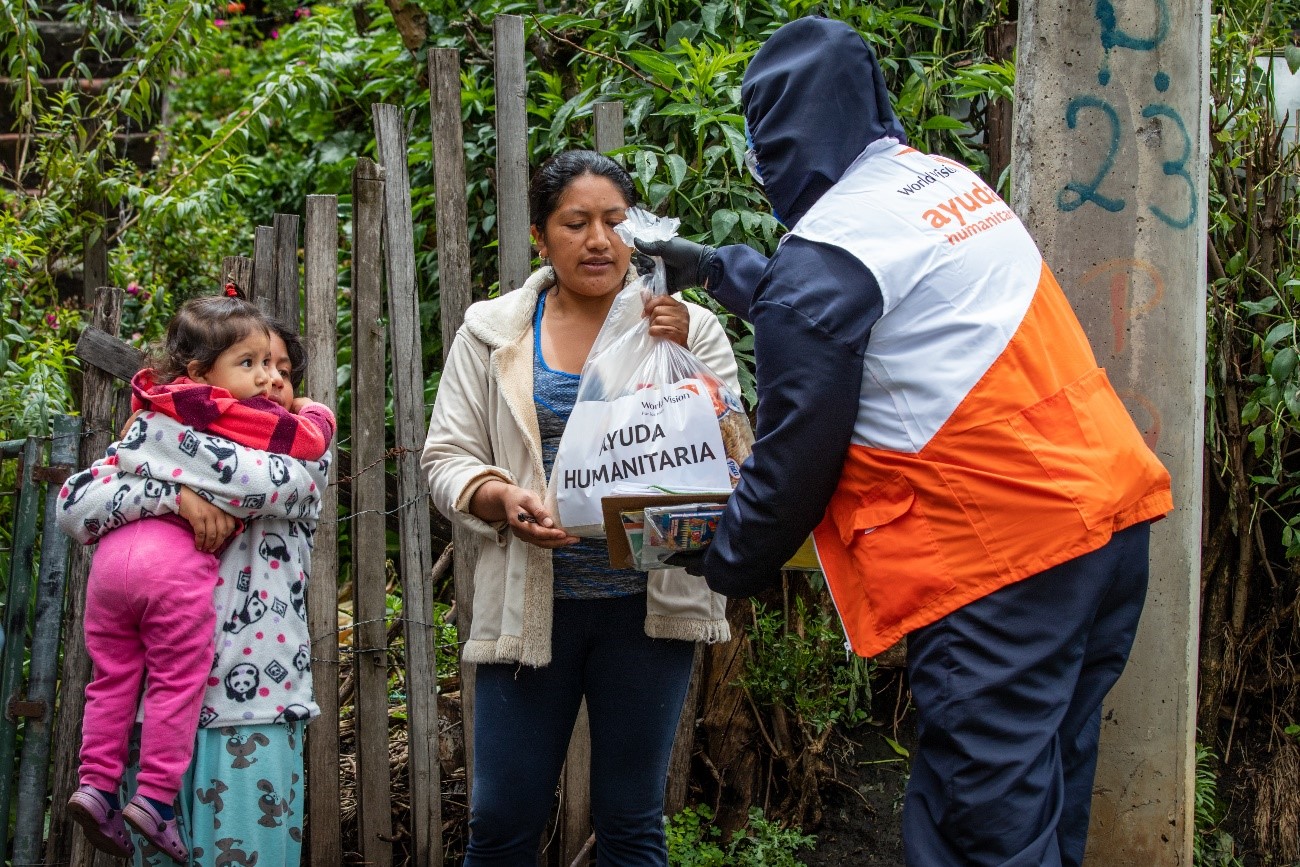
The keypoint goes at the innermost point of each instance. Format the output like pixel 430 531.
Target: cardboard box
pixel 620 552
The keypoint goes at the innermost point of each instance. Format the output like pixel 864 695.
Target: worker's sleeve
pixel 734 275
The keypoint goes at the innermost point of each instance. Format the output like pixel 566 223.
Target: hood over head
pixel 814 99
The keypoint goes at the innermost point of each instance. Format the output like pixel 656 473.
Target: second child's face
pixel 281 369
pixel 243 369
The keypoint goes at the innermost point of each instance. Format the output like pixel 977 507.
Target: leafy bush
pixel 1211 845
pixel 693 841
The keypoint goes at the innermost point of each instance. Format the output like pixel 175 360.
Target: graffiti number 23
pixel 1075 193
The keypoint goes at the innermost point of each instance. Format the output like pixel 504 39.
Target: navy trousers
pixel 1008 693
pixel 523 717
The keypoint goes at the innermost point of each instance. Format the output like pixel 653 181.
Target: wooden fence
pixel 386 346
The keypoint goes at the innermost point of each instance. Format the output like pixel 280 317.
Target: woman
pixel 242 797
pixel 553 623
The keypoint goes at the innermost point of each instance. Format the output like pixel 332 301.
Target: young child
pixel 149 599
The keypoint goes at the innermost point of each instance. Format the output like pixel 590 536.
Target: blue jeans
pixel 523 717
pixel 1008 693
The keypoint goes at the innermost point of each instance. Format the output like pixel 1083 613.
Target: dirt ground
pixel 861 820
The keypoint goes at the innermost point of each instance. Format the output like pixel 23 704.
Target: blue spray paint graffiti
pixel 1075 194
pixel 1112 36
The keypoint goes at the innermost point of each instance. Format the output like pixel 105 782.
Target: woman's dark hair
pixel 203 329
pixel 553 177
pixel 292 343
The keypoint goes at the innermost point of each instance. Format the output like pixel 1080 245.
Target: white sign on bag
pixel 654 436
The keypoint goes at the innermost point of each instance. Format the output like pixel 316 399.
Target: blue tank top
pixel 582 571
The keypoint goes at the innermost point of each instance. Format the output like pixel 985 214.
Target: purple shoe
pixel 163 833
pixel 103 825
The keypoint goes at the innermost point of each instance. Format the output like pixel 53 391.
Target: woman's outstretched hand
pixel 669 318
pixel 523 511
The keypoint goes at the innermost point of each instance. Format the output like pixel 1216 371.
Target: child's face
pixel 243 369
pixel 281 369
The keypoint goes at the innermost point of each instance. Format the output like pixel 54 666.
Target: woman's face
pixel 588 256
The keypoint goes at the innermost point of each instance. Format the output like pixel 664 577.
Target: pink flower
pixel 218 22
pixel 301 12
pixel 145 296
pixel 275 34
pixel 133 288
pixel 52 320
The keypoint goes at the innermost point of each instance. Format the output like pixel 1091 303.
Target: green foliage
pixel 800 663
pixel 1252 377
pixel 693 841
pixel 1211 845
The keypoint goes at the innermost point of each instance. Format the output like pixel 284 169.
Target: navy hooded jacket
pixel 814 99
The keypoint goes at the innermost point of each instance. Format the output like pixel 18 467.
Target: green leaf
pixel 676 169
pixel 663 70
pixel 724 220
pixel 1259 437
pixel 1278 332
pixel 1233 267
pixel 1254 308
pixel 943 121
pixel 1292 55
pixel 1283 364
pixel 646 163
pixel 897 747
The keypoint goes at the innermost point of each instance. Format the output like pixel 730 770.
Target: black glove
pixel 691 561
pixel 687 263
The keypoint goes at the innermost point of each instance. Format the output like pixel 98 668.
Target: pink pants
pixel 148 609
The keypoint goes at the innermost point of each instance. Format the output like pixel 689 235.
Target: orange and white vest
pixel 989 446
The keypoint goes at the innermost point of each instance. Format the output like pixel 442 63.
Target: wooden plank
pixel 18 598
pixel 99 349
pixel 575 807
pixel 263 287
pixel 320 267
pixel 454 287
pixel 66 845
pixel 369 640
pixel 237 270
pixel 514 250
pixel 94 270
pixel 455 295
pixel 47 626
pixel 607 118
pixel 412 488
pixel 679 763
pixel 284 304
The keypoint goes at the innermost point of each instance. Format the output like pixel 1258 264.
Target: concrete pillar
pixel 1109 172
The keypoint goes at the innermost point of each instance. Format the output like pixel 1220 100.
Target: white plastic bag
pixel 648 413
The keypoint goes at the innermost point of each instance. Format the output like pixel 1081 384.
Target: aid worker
pixel 930 409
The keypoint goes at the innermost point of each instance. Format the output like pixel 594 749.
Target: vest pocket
pixel 892 548
pixel 1085 443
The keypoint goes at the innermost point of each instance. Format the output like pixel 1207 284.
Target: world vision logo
pixel 968 212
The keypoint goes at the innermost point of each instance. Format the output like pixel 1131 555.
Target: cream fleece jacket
pixel 483 427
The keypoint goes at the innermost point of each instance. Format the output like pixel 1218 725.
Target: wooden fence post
pixel 320 267
pixel 284 234
pixel 33 771
pixel 263 269
pixel 369 641
pixel 18 597
pixel 238 270
pixel 65 846
pixel 514 250
pixel 412 489
pixel 455 296
pixel 607 118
